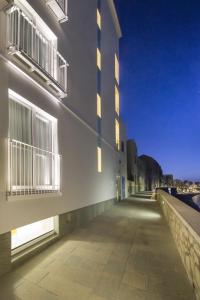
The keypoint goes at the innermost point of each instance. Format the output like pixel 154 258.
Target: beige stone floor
pixel 125 254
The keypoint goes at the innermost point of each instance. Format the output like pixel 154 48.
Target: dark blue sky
pixel 160 81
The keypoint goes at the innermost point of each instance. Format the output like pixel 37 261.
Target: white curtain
pixel 20 122
pixel 43 142
pixel 20 131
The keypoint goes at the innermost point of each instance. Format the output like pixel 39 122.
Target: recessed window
pixel 98 106
pixel 116 68
pixel 117 134
pixel 117 104
pixel 23 235
pixel 98 59
pixel 99 19
pixel 99 159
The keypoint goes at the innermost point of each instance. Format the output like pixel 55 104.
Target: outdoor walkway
pixel 126 254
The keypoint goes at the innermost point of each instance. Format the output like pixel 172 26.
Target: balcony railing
pixel 27 40
pixel 33 170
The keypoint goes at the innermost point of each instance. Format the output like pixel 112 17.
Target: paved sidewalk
pixel 125 254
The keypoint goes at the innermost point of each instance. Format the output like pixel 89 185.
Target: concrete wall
pixel 5 253
pixel 184 222
pixel 69 221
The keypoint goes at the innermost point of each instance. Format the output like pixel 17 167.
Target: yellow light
pixel 117 100
pixel 13 232
pixel 98 106
pixel 117 134
pixel 99 19
pixel 99 160
pixel 98 59
pixel 116 68
pixel 27 233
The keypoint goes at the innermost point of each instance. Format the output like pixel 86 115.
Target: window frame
pixel 50 162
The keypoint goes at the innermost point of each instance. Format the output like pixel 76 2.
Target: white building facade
pixel 62 159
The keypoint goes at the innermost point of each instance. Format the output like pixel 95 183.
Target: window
pixel 116 69
pixel 99 159
pixel 27 233
pixel 99 19
pixel 98 59
pixel 98 106
pixel 34 162
pixel 117 104
pixel 117 134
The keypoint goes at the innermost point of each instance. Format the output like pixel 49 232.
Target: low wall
pixel 184 222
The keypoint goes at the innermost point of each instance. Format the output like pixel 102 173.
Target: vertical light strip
pixel 98 59
pixel 99 159
pixel 98 19
pixel 117 134
pixel 116 69
pixel 117 104
pixel 98 106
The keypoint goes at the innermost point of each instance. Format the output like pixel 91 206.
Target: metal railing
pixel 33 170
pixel 25 37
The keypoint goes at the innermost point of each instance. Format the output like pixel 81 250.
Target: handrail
pixel 33 170
pixel 22 143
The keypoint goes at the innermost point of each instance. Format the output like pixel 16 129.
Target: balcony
pixel 59 7
pixel 36 50
pixel 32 170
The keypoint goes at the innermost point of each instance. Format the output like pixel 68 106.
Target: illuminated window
pixel 116 68
pixel 117 134
pixel 98 106
pixel 117 100
pixel 27 233
pixel 99 159
pixel 98 59
pixel 98 19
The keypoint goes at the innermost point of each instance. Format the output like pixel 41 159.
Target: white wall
pixel 82 185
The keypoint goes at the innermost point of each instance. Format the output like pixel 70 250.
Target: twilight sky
pixel 160 81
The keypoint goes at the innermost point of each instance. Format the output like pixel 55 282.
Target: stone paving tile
pixel 129 293
pixel 115 267
pixel 108 286
pixel 64 289
pixel 135 280
pixel 127 253
pixel 30 291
